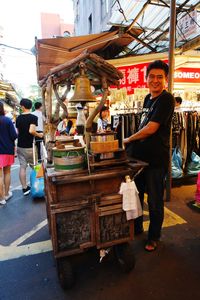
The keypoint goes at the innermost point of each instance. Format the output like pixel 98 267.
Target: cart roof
pixel 62 50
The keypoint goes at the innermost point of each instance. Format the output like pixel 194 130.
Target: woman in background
pixel 103 119
pixel 7 148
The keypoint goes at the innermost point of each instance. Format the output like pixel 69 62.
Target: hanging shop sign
pixel 135 76
pixel 187 25
pixel 187 75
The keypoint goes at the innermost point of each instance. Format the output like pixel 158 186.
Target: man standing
pixel 152 146
pixel 39 128
pixel 26 125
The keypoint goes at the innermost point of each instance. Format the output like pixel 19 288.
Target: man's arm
pixel 32 130
pixel 145 132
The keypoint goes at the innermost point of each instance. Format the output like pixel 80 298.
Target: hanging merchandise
pixel 37 176
pixel 195 204
pixel 177 171
pixel 185 138
pixel 193 166
pixel 37 182
pixel 131 201
pixel 197 194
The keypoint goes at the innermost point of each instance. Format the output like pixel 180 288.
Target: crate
pixel 104 147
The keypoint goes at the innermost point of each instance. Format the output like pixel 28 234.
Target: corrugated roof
pixel 153 18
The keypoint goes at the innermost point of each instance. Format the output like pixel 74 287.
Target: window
pixel 76 10
pixel 90 23
pixel 104 8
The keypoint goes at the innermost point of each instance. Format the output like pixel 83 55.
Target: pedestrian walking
pixel 151 144
pixel 26 126
pixel 8 136
pixel 39 127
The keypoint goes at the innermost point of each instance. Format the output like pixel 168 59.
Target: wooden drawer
pixel 107 186
pixel 111 226
pixel 73 229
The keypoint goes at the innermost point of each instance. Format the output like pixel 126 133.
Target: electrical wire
pixel 26 51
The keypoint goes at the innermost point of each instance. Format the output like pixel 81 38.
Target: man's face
pixel 156 81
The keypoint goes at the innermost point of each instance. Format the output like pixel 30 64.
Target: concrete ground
pixel 28 269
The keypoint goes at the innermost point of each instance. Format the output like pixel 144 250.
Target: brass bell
pixel 82 92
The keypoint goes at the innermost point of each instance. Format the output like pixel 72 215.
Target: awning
pixel 55 51
pixel 8 94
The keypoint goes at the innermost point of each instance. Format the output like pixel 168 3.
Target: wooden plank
pixel 110 212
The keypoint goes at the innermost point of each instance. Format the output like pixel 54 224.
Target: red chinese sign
pixel 135 76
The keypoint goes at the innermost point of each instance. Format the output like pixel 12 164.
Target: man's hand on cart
pixel 126 141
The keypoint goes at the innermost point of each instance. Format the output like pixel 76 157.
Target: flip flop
pixel 151 246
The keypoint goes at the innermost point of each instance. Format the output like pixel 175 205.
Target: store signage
pixel 135 76
pixel 187 75
pixel 187 26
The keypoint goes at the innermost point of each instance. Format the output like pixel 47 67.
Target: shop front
pixel 133 86
pixel 128 101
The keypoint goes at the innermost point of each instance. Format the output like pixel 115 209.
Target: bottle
pixel 80 120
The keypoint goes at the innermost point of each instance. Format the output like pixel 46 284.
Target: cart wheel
pixel 125 256
pixel 65 273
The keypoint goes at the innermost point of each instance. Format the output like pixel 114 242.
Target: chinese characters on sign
pixel 135 77
pixel 187 26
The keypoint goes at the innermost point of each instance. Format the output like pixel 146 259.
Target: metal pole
pixel 172 31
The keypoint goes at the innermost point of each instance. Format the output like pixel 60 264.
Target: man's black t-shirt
pixel 155 148
pixel 23 122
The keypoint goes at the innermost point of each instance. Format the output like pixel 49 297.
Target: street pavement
pixel 28 270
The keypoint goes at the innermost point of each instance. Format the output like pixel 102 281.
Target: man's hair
pixel 178 100
pixel 27 103
pixel 37 105
pixel 158 64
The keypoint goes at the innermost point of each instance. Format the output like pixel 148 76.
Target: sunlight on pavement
pixel 170 219
pixel 14 250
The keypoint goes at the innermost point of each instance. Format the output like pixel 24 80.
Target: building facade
pixel 100 15
pixel 92 16
pixel 53 26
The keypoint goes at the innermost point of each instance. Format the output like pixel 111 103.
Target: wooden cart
pixel 84 211
pixel 84 208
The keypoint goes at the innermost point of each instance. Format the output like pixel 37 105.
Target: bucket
pixel 70 160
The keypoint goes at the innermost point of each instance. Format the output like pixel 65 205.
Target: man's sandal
pixel 151 246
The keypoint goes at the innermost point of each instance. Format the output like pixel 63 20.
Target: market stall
pixel 84 172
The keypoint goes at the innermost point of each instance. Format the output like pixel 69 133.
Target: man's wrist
pixel 130 139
